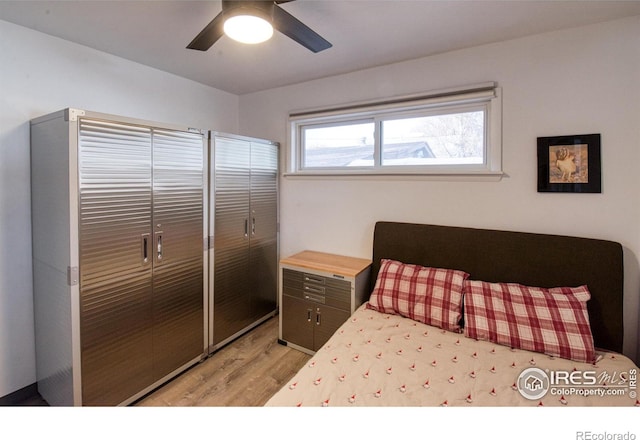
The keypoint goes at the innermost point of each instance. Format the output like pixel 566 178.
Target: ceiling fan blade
pixel 298 31
pixel 209 35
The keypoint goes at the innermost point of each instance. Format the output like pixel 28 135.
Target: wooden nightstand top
pixel 338 264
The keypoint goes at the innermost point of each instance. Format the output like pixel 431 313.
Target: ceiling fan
pixel 268 11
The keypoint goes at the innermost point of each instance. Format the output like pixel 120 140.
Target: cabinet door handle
pixel 309 315
pixel 246 227
pixel 253 226
pixel 159 251
pixel 144 244
pixel 318 317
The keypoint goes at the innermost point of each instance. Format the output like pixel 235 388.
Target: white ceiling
pixel 364 33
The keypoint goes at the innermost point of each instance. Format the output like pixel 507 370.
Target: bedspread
pixel 377 359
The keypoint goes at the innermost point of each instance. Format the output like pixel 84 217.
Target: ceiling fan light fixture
pixel 264 16
pixel 248 29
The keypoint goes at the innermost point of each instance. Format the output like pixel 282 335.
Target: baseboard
pixel 18 397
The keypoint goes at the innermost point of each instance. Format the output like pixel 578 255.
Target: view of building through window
pixel 443 139
pixel 433 140
pixel 339 146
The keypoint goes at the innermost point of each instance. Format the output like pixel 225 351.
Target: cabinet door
pixel 178 276
pixel 115 280
pixel 264 233
pixel 298 321
pixel 231 297
pixel 326 321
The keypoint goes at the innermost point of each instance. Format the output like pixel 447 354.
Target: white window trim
pixel 485 94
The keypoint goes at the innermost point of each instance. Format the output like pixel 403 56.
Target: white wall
pixel 41 74
pixel 577 81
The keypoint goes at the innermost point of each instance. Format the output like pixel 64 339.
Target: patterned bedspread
pixel 377 359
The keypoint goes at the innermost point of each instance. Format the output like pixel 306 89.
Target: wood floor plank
pixel 246 372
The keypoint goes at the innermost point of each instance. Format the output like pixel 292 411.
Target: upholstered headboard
pixel 539 260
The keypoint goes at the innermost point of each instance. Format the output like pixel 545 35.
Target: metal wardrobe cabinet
pixel 119 215
pixel 244 221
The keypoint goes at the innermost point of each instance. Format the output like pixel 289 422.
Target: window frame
pixel 333 123
pixel 485 97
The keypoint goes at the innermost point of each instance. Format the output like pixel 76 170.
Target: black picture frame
pixel 569 164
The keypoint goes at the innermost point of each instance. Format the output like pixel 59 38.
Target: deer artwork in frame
pixel 569 164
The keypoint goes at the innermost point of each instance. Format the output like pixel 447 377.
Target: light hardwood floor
pixel 245 373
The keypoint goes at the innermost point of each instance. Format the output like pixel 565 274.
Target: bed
pixel 476 317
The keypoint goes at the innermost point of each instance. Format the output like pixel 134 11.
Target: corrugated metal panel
pixel 115 285
pixel 178 191
pixel 245 239
pixel 231 237
pixel 264 237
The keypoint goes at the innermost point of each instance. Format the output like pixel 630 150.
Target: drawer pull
pixel 314 289
pixel 314 298
pixel 312 279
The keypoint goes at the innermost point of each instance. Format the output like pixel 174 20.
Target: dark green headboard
pixel 539 260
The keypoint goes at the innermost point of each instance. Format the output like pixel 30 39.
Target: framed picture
pixel 569 164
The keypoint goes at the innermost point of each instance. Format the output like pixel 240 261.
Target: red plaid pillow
pixel 425 294
pixel 551 321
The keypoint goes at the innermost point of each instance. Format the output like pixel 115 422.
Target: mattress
pixel 377 359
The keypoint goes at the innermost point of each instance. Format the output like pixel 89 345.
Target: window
pixel 449 132
pixel 337 145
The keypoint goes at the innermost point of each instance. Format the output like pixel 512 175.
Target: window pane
pixel 339 146
pixel 449 139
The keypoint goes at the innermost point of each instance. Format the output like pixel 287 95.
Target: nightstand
pixel 318 293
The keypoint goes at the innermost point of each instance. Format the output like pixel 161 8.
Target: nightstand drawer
pixel 317 288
